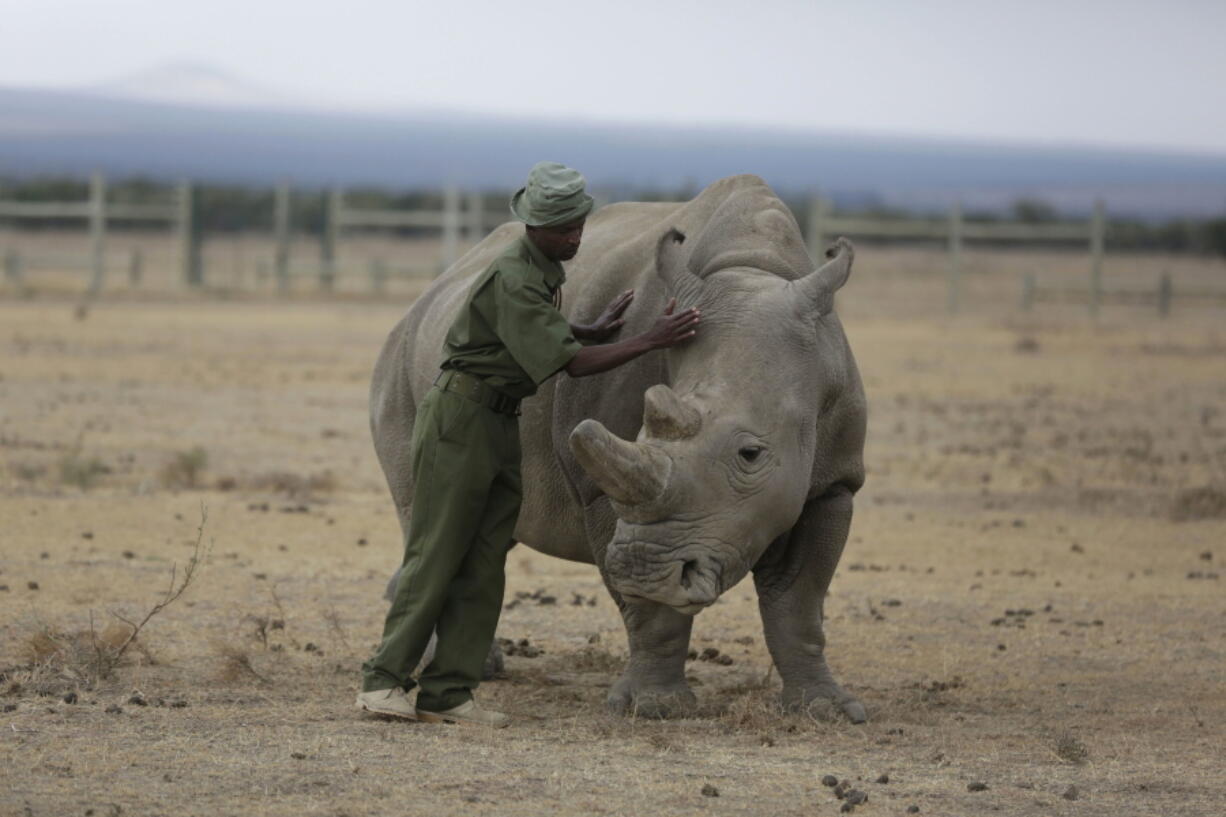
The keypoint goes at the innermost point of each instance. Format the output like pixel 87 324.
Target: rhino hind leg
pixel 792 580
pixel 653 684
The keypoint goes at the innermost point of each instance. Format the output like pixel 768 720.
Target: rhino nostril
pixel 687 570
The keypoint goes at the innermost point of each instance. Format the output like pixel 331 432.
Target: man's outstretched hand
pixel 609 321
pixel 669 329
pixel 673 327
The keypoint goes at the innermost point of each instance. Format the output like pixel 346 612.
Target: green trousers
pixel 466 500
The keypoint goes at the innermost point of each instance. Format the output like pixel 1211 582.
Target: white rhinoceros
pixel 748 440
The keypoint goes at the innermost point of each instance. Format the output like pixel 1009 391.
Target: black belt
pixel 477 390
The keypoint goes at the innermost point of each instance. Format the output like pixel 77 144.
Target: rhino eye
pixel 750 453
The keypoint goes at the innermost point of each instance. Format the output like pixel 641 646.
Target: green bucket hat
pixel 553 195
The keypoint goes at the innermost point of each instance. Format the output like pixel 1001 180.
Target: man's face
pixel 559 243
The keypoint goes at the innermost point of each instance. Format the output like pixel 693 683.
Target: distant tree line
pixel 221 208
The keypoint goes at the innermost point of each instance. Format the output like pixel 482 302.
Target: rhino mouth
pixel 687 579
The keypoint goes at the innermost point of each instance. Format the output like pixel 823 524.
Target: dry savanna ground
pixel 1029 605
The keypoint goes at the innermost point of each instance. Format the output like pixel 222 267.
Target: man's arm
pixel 669 330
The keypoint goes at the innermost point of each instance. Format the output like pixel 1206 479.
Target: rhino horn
pixel 667 417
pixel 672 268
pixel 818 287
pixel 629 473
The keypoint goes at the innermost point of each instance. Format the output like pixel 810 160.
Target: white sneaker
pixel 466 714
pixel 391 702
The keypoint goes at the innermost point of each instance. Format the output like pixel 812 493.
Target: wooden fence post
pixel 331 232
pixel 451 225
pixel 189 241
pixel 955 257
pixel 280 225
pixel 476 218
pixel 136 264
pixel 12 267
pixel 97 232
pixel 1097 228
pixel 817 241
pixel 378 276
pixel 1027 291
pixel 1165 292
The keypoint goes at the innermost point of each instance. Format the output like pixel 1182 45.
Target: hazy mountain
pixel 236 132
pixel 190 83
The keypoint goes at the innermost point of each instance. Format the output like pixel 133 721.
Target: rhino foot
pixel 632 697
pixel 823 701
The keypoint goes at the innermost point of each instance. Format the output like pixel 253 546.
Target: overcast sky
pixel 1121 73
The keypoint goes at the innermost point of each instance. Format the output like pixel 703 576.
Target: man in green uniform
pixel 507 339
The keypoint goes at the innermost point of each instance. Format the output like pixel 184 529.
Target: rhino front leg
pixel 653 684
pixel 792 579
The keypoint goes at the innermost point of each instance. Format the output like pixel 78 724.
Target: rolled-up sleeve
pixel 535 333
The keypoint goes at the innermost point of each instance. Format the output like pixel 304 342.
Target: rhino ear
pixel 672 269
pixel 815 292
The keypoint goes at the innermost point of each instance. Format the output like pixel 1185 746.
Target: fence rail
pixel 463 216
pixel 953 230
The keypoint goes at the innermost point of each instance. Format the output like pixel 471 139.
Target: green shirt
pixel 508 332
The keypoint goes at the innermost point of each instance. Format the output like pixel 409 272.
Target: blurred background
pixel 286 148
pixel 211 215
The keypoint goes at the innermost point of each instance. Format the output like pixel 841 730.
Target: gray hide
pixel 683 471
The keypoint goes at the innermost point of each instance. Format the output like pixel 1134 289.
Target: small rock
pixel 830 781
pixel 44 555
pixel 127 554
pixel 89 534
pixel 4 588
pixel 913 809
pixel 311 646
pixel 1076 548
pixel 547 600
pixel 114 709
pixel 847 807
pixel 1071 793
pixel 298 755
pixel 856 797
pixel 885 778
pixel 138 700
pixel 70 698
pixel 32 585
pixel 179 704
pixel 362 542
pixel 723 660
pixel 708 654
pixel 977 785
pixel 1206 556
pixel 710 791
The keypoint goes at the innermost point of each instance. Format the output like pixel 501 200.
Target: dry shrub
pixel 1070 749
pixel 81 472
pixel 184 468
pixel 28 472
pixel 235 663
pixel 293 485
pixel 1207 502
pixel 59 661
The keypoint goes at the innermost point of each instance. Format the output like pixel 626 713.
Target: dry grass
pixel 1016 463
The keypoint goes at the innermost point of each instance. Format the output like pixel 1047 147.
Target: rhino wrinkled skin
pixel 684 470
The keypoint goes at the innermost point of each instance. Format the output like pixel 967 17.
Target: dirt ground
pixel 1029 606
